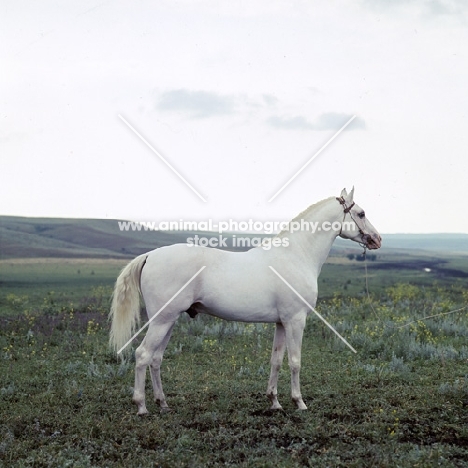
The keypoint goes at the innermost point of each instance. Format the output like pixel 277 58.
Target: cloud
pixel 198 104
pixel 325 121
pixel 204 104
pixel 292 123
pixel 437 8
pixel 334 121
pixel 444 7
pixel 270 100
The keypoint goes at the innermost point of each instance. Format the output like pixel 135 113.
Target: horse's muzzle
pixel 372 242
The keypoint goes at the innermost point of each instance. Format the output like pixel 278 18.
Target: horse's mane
pixel 304 213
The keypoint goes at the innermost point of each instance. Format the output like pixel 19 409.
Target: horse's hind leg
pixel 158 330
pixel 155 371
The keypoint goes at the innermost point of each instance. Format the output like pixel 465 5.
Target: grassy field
pixel 65 400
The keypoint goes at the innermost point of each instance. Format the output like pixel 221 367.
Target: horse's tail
pixel 125 309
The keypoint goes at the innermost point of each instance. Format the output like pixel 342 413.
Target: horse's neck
pixel 313 248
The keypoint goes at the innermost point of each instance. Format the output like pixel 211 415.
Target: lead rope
pixel 367 284
pixel 348 210
pixel 431 316
pixel 406 324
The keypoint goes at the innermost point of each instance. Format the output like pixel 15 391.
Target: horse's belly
pixel 244 315
pixel 228 310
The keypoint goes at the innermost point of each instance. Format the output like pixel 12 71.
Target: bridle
pixel 346 210
pixel 342 201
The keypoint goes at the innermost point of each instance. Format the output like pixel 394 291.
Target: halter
pixel 346 210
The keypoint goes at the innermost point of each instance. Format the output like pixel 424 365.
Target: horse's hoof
pixel 142 410
pixel 301 406
pixel 276 407
pixel 166 410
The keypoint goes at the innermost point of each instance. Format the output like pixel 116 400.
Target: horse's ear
pixel 348 197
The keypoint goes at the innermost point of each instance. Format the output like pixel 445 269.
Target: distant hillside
pixel 434 243
pixel 61 237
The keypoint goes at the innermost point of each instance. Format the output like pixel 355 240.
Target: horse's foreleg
pixel 294 333
pixel 155 371
pixel 277 355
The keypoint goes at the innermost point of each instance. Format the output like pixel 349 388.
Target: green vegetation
pixel 66 281
pixel 65 400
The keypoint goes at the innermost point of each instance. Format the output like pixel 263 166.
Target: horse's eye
pixel 362 214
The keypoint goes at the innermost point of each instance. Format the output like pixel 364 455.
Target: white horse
pixel 234 286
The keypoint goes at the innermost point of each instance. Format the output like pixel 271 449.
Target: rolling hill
pixel 22 237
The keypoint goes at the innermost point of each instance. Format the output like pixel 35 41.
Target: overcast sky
pixel 236 96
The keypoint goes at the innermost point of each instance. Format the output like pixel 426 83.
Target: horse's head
pixel 355 225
